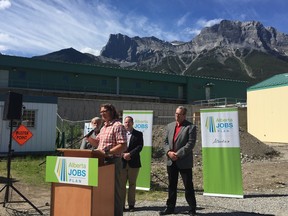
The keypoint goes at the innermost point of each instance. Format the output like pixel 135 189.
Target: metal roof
pixel 32 63
pixel 273 82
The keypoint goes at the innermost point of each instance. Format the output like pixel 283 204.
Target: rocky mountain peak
pixel 252 35
pixel 230 50
pixel 119 47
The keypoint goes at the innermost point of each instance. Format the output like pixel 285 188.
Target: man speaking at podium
pixel 112 142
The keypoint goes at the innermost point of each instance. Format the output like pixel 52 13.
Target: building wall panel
pixel 44 133
pixel 267 114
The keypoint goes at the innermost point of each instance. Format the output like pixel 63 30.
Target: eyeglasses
pixel 103 111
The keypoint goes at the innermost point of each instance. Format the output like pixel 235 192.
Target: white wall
pixel 44 133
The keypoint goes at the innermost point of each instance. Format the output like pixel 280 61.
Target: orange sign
pixel 22 135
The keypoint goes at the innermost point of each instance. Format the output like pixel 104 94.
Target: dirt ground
pixel 264 170
pixel 264 166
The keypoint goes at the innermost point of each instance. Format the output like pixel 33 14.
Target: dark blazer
pixel 134 148
pixel 184 144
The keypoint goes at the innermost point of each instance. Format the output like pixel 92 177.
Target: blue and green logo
pixel 218 125
pixel 210 124
pixel 72 170
pixel 61 170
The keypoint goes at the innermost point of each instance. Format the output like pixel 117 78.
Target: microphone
pixel 96 130
pixel 90 133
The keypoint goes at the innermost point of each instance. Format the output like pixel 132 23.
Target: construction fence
pixel 70 133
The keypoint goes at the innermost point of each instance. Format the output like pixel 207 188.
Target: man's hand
pixel 126 156
pixel 172 155
pixel 101 152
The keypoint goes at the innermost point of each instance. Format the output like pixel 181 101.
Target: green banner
pixel 72 170
pixel 143 121
pixel 222 174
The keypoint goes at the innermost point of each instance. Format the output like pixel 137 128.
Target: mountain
pixel 71 55
pixel 231 50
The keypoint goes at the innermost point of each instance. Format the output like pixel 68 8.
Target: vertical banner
pixel 222 175
pixel 143 121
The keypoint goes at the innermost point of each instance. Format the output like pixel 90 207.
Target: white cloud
pixel 182 19
pixel 90 50
pixel 208 23
pixel 200 24
pixel 54 25
pixel 40 27
pixel 192 31
pixel 242 17
pixel 5 41
pixel 4 37
pixel 3 48
pixel 4 4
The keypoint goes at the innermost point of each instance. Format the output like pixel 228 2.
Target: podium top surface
pixel 81 153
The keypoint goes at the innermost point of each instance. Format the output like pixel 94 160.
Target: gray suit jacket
pixel 184 144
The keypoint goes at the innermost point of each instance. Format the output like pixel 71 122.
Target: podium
pixel 75 200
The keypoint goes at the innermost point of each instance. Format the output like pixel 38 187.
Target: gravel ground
pixel 252 204
pixel 275 203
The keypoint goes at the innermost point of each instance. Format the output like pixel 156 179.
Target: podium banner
pixel 72 170
pixel 143 121
pixel 222 175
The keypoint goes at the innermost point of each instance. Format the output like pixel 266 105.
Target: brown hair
pixel 130 117
pixel 111 108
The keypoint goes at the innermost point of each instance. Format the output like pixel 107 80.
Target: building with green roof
pixel 273 82
pixel 96 82
pixel 267 107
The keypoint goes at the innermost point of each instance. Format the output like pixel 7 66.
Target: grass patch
pixel 26 169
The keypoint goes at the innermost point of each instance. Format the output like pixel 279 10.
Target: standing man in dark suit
pixel 131 162
pixel 179 143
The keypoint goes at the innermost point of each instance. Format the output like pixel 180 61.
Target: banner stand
pixel 143 121
pixel 222 174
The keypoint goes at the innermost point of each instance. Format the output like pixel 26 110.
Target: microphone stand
pixel 9 182
pixel 85 136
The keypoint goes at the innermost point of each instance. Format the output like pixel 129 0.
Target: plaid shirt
pixel 111 134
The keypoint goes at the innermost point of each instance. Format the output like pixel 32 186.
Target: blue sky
pixel 37 27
